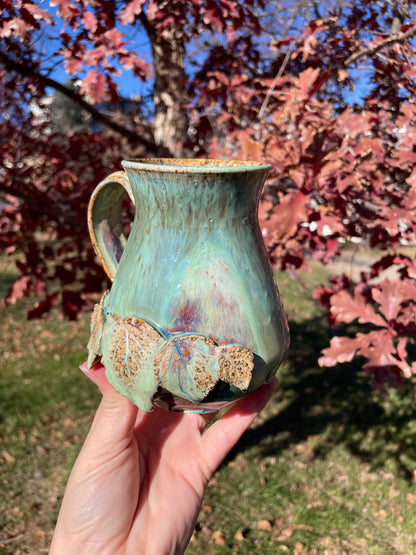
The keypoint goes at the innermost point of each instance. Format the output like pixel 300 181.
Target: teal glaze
pixel 195 270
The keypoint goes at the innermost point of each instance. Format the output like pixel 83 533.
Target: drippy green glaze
pixel 195 271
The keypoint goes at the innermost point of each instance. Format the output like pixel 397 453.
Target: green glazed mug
pixel 193 319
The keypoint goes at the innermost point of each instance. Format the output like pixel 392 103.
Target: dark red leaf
pixel 42 308
pixel 71 303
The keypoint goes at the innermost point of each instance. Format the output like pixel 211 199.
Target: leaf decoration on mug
pixel 186 366
pixel 139 358
pixel 235 365
pixel 133 344
pixel 97 326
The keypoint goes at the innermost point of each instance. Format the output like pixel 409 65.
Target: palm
pixel 174 457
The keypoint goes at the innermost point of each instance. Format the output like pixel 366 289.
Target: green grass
pixel 328 467
pixel 46 409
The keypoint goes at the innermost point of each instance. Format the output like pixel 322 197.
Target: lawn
pixel 328 467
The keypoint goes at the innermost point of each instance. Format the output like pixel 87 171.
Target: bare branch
pixel 275 80
pixel 131 136
pixel 393 39
pixel 284 64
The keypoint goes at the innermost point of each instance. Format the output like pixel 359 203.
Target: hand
pixel 138 483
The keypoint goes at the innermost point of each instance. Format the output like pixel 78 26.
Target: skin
pixel 139 480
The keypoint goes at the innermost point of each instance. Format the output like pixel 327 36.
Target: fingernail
pixel 84 367
pixel 97 375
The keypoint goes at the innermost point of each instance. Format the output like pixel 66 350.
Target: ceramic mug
pixel 193 319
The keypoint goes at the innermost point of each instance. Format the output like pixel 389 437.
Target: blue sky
pixel 129 85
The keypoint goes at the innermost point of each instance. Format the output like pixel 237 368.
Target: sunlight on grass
pixel 328 467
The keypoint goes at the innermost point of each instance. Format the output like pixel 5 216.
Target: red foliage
pixel 340 172
pixel 391 309
pixel 344 159
pixel 48 185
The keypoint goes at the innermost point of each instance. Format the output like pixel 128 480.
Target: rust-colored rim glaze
pixel 194 165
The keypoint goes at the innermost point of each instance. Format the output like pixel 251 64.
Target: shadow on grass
pixel 334 406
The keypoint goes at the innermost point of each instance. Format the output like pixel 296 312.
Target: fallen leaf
pixel 315 505
pixel 239 535
pixel 68 423
pixel 284 534
pixel 7 457
pixel 238 465
pixel 300 549
pixel 393 492
pixel 204 530
pixel 327 543
pixel 40 533
pixel 411 498
pixel 218 537
pixel 264 525
pixel 304 450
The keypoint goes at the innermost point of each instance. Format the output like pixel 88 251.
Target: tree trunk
pixel 171 118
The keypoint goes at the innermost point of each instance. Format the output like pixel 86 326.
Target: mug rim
pixel 195 165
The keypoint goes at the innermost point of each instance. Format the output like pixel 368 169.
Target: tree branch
pixel 396 38
pixel 147 26
pixel 275 80
pixel 283 65
pixel 130 135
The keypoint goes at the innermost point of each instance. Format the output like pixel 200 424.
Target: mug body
pixel 193 319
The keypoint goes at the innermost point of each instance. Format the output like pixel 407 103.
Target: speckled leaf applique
pixel 134 342
pixel 235 365
pixel 97 326
pixel 186 366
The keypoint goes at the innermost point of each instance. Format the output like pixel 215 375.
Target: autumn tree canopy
pixel 324 93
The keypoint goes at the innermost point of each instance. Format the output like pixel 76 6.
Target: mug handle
pixel 104 220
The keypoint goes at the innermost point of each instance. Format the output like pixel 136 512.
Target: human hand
pixel 139 480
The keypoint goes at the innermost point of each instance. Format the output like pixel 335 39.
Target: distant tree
pixel 324 91
pixel 65 115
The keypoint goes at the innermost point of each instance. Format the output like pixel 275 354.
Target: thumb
pixel 219 438
pixel 113 425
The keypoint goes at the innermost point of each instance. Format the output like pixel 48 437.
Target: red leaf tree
pixel 327 98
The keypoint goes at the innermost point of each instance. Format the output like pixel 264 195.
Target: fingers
pixel 101 495
pixel 113 425
pixel 97 375
pixel 219 438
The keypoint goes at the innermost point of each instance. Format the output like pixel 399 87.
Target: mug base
pixel 168 401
